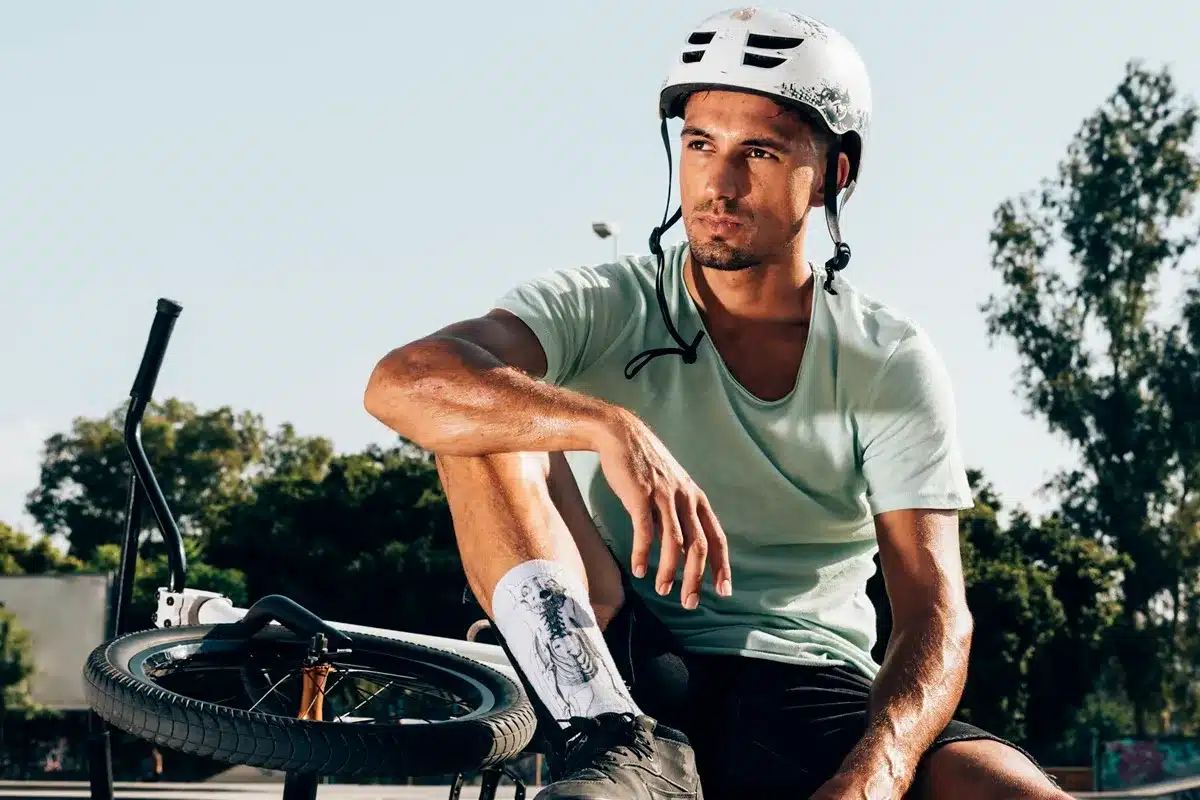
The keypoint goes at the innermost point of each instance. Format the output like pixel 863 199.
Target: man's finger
pixel 672 544
pixel 697 553
pixel 718 548
pixel 643 536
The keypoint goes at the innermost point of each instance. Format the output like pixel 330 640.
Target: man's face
pixel 749 172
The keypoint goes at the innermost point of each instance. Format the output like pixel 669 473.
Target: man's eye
pixel 756 152
pixel 697 144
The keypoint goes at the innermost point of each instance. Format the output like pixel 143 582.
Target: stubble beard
pixel 718 254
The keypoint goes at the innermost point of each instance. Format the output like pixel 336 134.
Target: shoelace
pixel 593 740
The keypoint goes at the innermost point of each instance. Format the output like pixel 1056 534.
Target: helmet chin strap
pixel 841 255
pixel 687 351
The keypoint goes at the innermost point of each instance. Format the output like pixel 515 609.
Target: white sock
pixel 544 614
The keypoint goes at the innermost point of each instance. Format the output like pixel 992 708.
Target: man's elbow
pixel 386 393
pixel 374 391
pixel 962 627
pixel 948 620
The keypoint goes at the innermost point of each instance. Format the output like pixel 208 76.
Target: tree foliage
pixel 204 462
pixel 368 541
pixel 362 537
pixel 1082 261
pixel 16 667
pixel 1043 599
pixel 22 554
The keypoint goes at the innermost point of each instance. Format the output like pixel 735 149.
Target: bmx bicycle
pixel 274 686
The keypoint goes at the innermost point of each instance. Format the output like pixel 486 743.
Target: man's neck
pixel 778 291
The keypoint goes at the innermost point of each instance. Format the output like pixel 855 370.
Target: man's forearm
pixel 913 697
pixel 453 397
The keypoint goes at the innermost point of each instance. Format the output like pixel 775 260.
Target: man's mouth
pixel 720 224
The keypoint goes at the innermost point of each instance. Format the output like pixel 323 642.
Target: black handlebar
pixel 290 614
pixel 139 398
pixel 156 348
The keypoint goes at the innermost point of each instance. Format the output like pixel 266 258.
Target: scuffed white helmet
pixel 791 58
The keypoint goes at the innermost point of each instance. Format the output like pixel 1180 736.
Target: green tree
pixel 20 554
pixel 1084 580
pixel 1043 599
pixel 1012 599
pixel 204 462
pixel 1179 384
pixel 1081 261
pixel 369 541
pixel 16 665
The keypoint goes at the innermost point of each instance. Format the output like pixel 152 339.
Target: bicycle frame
pixel 178 605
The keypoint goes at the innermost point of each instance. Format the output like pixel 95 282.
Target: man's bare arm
pixel 921 681
pixel 472 389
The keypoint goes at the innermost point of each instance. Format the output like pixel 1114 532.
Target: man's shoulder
pixel 579 313
pixel 865 318
pixel 871 333
pixel 625 278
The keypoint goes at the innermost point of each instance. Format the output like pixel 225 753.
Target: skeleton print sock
pixel 546 619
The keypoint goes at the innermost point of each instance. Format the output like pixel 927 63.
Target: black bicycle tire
pixel 345 750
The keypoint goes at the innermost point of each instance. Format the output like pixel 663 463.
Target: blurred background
pixel 318 183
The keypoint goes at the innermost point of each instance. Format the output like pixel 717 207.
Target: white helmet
pixel 791 58
pixel 798 62
pixel 795 60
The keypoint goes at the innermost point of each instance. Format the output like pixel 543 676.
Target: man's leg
pixel 514 507
pixel 532 556
pixel 983 768
pixel 538 566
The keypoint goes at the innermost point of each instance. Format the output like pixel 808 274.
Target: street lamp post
pixel 605 230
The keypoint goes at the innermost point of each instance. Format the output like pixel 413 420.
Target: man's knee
pixel 983 768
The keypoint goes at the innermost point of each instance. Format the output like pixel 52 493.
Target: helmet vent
pixel 766 62
pixel 765 42
pixel 692 56
pixel 701 37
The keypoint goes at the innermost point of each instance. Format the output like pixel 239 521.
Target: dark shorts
pixel 759 728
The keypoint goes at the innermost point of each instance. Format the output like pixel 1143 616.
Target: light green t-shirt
pixel 869 427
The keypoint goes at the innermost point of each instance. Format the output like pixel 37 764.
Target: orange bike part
pixel 312 694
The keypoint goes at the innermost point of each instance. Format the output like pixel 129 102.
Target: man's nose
pixel 726 179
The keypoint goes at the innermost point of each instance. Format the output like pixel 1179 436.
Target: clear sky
pixel 317 183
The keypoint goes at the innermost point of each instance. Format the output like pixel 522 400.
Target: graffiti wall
pixel 1126 763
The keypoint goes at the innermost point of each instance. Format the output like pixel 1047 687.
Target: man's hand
pixel 654 488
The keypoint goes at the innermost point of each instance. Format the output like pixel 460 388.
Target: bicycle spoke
pixel 272 689
pixel 369 699
pixel 275 690
pixel 435 694
pixel 362 671
pixel 327 692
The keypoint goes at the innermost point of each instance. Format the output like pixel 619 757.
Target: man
pixel 803 428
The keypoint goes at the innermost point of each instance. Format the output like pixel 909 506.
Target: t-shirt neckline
pixel 694 310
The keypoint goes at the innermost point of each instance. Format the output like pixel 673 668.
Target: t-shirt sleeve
pixel 575 313
pixel 908 433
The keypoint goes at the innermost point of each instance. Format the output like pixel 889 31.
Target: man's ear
pixel 843 178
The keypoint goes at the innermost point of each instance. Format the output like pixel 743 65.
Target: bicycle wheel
pixel 385 707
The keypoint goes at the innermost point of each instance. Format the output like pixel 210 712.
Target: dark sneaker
pixel 625 757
